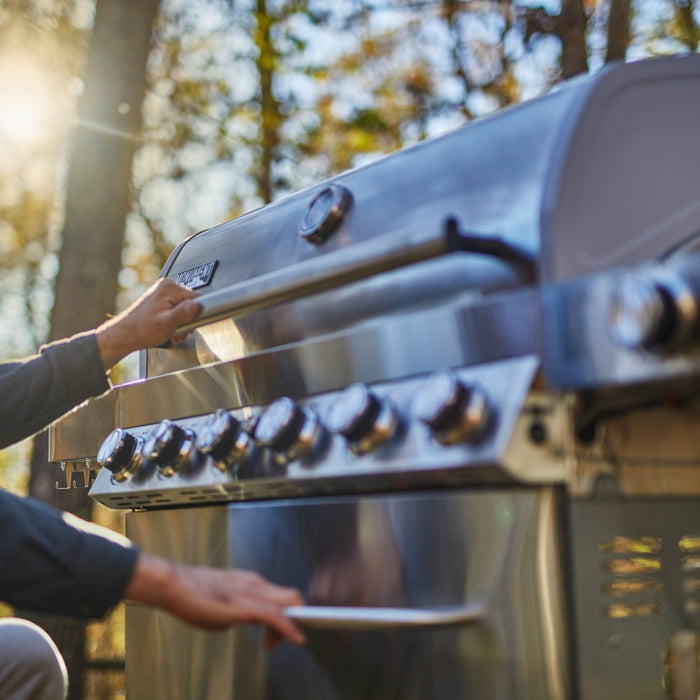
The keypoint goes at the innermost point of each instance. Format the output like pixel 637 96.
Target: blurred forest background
pixel 127 125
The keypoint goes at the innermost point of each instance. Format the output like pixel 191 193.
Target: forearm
pixel 41 388
pixel 38 390
pixel 152 581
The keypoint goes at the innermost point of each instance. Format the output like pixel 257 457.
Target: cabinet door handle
pixel 350 618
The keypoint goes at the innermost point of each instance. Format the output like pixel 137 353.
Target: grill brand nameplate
pixel 196 277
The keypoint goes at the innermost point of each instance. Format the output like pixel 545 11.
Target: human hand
pixel 150 321
pixel 214 599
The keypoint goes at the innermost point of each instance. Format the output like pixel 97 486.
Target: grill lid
pixel 555 188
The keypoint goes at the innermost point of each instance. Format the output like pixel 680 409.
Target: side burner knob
pixel 223 438
pixel 170 447
pixel 120 454
pixel 652 311
pixel 288 430
pixel 454 411
pixel 362 418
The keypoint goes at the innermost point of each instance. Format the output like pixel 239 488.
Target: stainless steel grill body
pixel 406 553
pixel 462 385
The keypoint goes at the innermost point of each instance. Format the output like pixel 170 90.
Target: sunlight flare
pixel 25 103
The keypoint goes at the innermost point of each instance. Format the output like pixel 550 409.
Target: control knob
pixel 224 439
pixel 288 430
pixel 121 454
pixel 171 447
pixel 365 420
pixel 653 310
pixel 453 410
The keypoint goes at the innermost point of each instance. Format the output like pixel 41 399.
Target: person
pixel 55 563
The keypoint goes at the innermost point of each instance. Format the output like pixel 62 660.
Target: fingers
pixel 281 596
pixel 278 627
pixel 178 306
pixel 221 614
pixel 265 602
pixel 170 287
pixel 219 598
pixel 184 312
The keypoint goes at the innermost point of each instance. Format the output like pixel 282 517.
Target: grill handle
pixel 329 617
pixel 340 267
pixel 318 274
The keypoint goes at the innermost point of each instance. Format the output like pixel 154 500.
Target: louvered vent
pixel 632 568
pixel 689 547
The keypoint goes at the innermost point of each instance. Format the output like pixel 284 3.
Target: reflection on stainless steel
pixel 451 396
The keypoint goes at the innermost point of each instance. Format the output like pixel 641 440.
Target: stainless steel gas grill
pixel 452 396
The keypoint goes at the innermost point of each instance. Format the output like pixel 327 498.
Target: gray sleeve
pixel 39 389
pixel 53 562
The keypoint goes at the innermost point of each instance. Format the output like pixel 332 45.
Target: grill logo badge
pixel 196 277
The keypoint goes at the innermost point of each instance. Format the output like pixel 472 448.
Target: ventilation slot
pixel 632 570
pixel 689 548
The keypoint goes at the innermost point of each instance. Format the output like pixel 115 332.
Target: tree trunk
pixel 98 201
pixel 572 32
pixel 270 117
pixel 618 30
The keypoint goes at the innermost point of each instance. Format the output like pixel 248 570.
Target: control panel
pixel 442 425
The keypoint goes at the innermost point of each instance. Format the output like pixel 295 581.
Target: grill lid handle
pixel 350 264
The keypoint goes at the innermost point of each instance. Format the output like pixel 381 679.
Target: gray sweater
pixel 48 561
